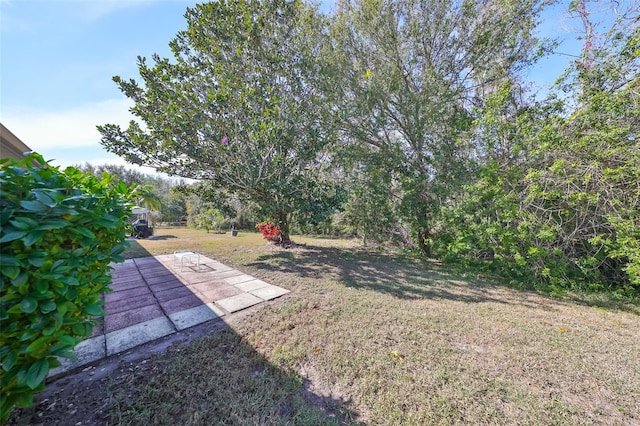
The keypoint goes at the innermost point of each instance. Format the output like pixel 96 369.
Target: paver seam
pixel 138 334
pixel 151 290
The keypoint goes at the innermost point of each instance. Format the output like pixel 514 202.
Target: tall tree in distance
pixel 409 77
pixel 118 171
pixel 237 108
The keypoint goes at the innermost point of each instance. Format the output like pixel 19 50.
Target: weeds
pixel 381 338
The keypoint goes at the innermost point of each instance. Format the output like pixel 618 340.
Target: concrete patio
pixel 154 297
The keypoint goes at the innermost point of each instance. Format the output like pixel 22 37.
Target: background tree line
pixel 411 121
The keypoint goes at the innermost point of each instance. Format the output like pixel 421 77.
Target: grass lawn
pixel 375 337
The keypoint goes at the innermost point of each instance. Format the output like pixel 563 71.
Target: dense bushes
pixel 60 231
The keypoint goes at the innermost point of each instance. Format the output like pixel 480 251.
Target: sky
pixel 57 60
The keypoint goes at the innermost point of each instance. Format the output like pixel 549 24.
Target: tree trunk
pixel 422 243
pixel 283 224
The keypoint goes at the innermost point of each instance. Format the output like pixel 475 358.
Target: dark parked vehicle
pixel 140 229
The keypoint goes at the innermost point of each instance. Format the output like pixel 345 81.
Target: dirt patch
pixel 328 397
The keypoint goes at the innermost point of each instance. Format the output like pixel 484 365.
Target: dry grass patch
pixel 379 338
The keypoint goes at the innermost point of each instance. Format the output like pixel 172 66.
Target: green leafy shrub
pixel 60 231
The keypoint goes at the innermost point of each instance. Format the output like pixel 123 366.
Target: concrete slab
pixel 158 275
pixel 212 263
pixel 269 292
pixel 172 293
pixel 208 285
pixel 130 303
pixel 151 299
pixel 130 337
pixel 125 275
pixel 98 329
pixel 143 262
pixel 216 309
pixel 189 277
pixel 150 267
pixel 180 304
pixel 239 279
pixel 125 319
pixel 88 351
pixel 126 293
pixel 239 302
pixel 223 274
pixel 123 285
pixel 166 285
pixel 203 268
pixel 127 265
pixel 219 268
pixel 196 269
pixel 155 270
pixel 219 293
pixel 194 316
pixel 251 285
pixel 166 262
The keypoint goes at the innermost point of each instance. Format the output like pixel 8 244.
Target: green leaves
pixel 8 361
pixel 37 373
pixel 28 305
pixel 557 201
pixel 52 224
pixel 34 206
pixel 32 237
pixel 8 260
pixel 235 106
pixel 60 230
pixel 94 310
pixel 12 235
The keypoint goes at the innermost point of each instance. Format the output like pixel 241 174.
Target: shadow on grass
pixel 135 250
pixel 394 274
pixel 406 277
pixel 216 378
pixel 220 379
pixel 162 237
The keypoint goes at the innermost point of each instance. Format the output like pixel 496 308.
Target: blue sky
pixel 57 60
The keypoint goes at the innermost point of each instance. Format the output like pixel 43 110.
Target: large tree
pixel 409 79
pixel 586 183
pixel 562 205
pixel 238 107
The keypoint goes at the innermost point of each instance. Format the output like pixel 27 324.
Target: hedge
pixel 60 230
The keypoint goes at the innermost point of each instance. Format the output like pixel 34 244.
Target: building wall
pixel 10 145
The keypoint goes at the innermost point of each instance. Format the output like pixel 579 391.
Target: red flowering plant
pixel 270 231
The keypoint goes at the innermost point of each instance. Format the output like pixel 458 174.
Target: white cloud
pixel 69 137
pixel 67 128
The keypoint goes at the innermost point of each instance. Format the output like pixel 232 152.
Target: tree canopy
pixel 414 119
pixel 238 107
pixel 410 78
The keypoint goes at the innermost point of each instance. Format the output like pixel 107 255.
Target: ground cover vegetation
pixel 408 121
pixel 60 230
pixel 369 336
pixel 404 121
